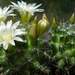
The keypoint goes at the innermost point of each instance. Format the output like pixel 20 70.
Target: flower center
pixel 6 37
pixel 1 15
pixel 28 9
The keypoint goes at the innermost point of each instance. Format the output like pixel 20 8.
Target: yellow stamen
pixel 6 37
pixel 1 15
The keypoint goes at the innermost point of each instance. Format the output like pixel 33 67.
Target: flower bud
pixel 43 25
pixel 72 19
pixel 35 21
pixel 54 24
pixel 33 32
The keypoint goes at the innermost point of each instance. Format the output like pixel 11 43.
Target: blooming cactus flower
pixel 5 12
pixel 9 33
pixel 26 10
pixel 22 6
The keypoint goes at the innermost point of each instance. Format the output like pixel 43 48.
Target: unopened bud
pixel 54 24
pixel 33 32
pixel 43 25
pixel 72 19
pixel 35 21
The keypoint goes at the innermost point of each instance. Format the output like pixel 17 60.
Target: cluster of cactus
pixel 35 55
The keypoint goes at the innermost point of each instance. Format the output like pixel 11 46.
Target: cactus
pixel 24 50
pixel 21 47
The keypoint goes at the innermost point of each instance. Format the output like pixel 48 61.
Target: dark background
pixel 60 9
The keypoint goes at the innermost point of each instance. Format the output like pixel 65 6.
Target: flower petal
pixel 16 24
pixel 37 6
pixel 15 5
pixel 2 24
pixel 4 12
pixel 24 7
pixel 18 39
pixel 5 9
pixel 5 45
pixel 9 32
pixel 12 42
pixel 0 10
pixel 19 32
pixel 9 23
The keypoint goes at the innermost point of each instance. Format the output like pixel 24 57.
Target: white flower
pixel 9 33
pixel 4 12
pixel 24 7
